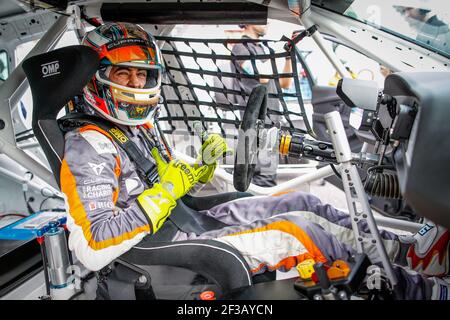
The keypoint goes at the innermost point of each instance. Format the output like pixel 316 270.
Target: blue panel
pixel 31 227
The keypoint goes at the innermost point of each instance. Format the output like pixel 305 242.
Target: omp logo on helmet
pixel 50 69
pixel 119 135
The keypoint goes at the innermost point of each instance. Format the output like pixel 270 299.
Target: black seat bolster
pixel 212 259
pixel 192 221
pixel 55 77
pixel 51 139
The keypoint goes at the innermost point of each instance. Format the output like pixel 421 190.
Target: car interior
pixel 383 147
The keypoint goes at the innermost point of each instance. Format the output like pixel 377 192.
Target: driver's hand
pixel 177 177
pixel 214 148
pixel 208 174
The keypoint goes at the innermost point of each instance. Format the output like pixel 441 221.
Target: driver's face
pixel 128 76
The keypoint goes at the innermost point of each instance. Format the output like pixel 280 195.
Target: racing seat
pixel 55 78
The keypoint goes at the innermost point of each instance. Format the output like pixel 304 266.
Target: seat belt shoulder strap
pixel 146 168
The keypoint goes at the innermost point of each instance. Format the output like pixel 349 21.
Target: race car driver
pixel 111 208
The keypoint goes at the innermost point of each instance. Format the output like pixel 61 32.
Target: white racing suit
pixel 271 232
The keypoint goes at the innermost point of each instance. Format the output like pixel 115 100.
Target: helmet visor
pixel 122 78
pixel 134 100
pixel 130 50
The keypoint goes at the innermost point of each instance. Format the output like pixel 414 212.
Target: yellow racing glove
pixel 177 176
pixel 157 203
pixel 176 179
pixel 208 173
pixel 214 148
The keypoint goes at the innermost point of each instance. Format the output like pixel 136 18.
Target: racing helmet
pixel 125 45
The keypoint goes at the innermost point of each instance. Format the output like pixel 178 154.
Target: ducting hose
pixel 382 184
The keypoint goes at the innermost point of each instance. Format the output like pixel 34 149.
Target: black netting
pixel 200 85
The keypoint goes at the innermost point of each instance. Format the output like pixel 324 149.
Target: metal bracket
pixel 305 20
pixel 305 33
pixel 358 204
pixel 74 22
pixel 75 17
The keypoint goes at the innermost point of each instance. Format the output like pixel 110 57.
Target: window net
pixel 203 82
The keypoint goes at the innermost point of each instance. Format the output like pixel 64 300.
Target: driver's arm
pixel 99 230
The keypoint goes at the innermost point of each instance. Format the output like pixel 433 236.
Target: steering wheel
pixel 247 147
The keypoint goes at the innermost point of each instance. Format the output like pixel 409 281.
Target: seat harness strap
pixel 147 170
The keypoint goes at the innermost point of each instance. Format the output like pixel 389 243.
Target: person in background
pixel 265 172
pixel 432 31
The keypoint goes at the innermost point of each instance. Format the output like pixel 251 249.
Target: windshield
pixel 425 22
